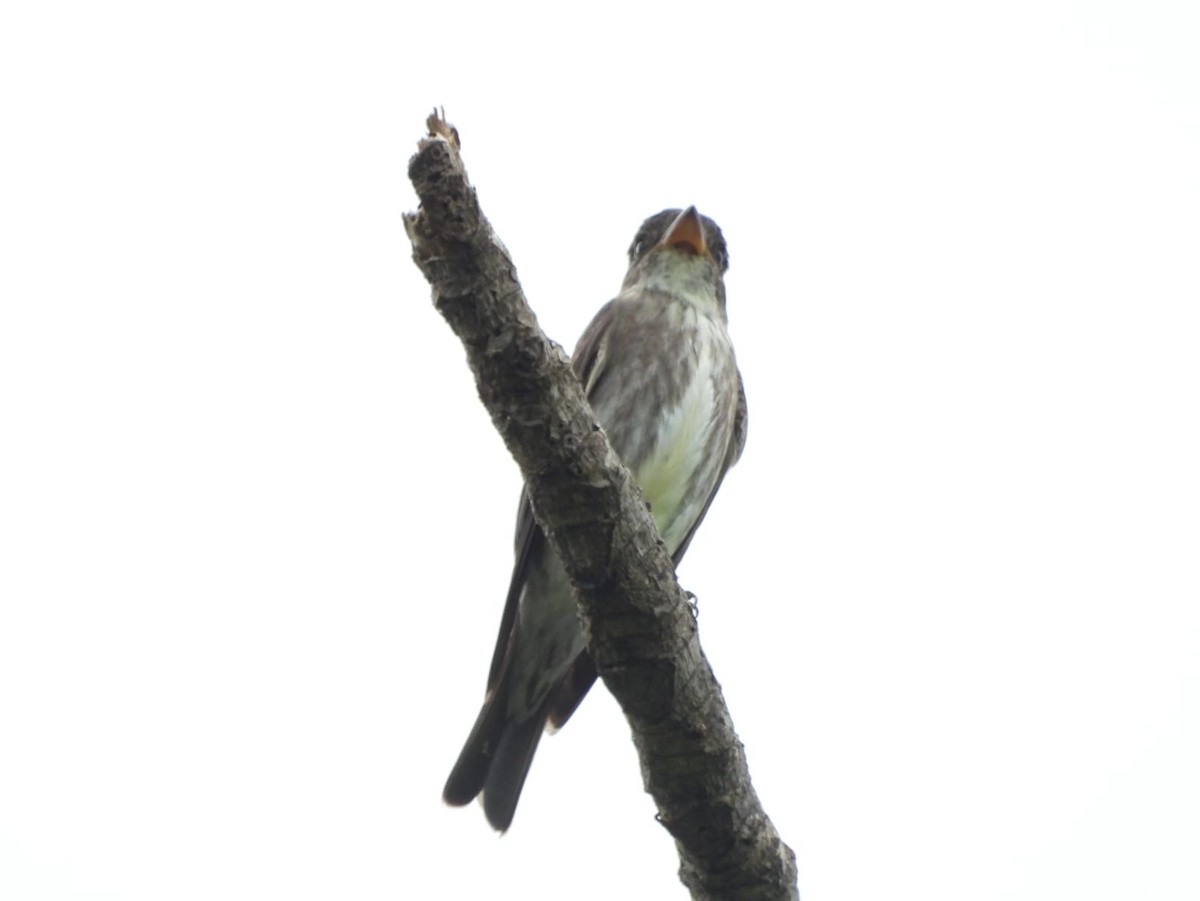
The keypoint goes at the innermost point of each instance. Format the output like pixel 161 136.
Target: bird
pixel 659 371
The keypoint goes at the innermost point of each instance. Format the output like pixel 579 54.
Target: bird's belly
pixel 678 472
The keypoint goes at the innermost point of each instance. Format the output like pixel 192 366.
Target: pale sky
pixel 255 526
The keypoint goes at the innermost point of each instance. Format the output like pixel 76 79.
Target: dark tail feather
pixel 471 769
pixel 495 761
pixel 571 690
pixel 510 766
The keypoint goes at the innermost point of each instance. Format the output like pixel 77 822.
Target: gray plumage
pixel 660 374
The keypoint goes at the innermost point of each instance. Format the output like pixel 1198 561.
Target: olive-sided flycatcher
pixel 660 374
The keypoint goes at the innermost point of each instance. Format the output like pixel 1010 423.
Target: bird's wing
pixel 530 544
pixel 737 443
pixel 741 423
pixel 591 351
pixel 528 536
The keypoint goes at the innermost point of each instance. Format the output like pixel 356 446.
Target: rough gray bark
pixel 637 622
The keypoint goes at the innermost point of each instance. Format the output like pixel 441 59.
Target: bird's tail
pixel 495 760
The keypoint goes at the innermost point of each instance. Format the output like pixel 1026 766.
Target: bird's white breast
pixel 677 475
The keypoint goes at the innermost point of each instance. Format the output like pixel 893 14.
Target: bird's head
pixel 680 252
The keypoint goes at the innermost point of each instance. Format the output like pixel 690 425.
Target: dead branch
pixel 637 623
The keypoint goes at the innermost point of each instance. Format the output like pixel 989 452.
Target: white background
pixel 255 528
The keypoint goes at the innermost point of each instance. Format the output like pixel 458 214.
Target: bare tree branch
pixel 636 620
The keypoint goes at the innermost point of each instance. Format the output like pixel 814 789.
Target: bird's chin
pixel 689 278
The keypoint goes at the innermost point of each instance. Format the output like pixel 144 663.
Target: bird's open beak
pixel 687 233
